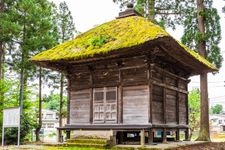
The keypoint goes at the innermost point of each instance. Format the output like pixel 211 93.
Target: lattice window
pixel 105 105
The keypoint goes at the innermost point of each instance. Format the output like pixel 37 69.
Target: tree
pixel 202 32
pixel 52 36
pixel 194 110
pixel 10 90
pixel 52 102
pixel 66 32
pixel 9 29
pixel 223 9
pixel 36 33
pixel 217 109
pixel 166 13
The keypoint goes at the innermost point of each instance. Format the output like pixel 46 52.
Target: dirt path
pixel 205 146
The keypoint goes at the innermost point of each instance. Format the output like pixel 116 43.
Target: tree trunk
pixel 151 10
pixel 1 59
pixel 39 107
pixel 61 106
pixel 204 134
pixel 21 85
pixel 1 43
pixel 1 77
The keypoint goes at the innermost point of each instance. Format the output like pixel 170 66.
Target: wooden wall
pixel 182 109
pixel 80 107
pixel 146 93
pixel 171 107
pixel 157 104
pixel 135 105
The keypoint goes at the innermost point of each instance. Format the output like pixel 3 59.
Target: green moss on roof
pixel 198 57
pixel 116 34
pixel 110 36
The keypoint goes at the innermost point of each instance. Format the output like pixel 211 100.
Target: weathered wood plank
pixel 135 106
pixel 80 107
pixel 163 71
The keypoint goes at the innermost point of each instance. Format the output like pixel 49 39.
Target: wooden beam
pixel 121 68
pixel 167 72
pixel 169 87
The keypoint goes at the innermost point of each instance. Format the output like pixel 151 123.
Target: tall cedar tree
pixel 52 41
pixel 66 30
pixel 35 34
pixel 202 31
pixel 9 29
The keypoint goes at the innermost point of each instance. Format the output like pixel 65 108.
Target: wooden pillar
pixel 59 136
pixel 142 137
pixel 120 141
pixel 114 142
pixel 177 111
pixel 178 135
pixel 91 94
pixel 164 136
pixel 186 134
pixel 150 136
pixel 68 134
pixel 68 99
pixel 186 99
pixel 164 103
pixel 150 92
pixel 187 117
pixel 120 100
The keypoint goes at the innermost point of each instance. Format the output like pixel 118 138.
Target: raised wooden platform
pixel 121 127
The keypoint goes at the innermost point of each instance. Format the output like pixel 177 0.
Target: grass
pixel 68 148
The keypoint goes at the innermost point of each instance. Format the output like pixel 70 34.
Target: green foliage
pixel 192 37
pixel 98 41
pixel 194 110
pixel 36 32
pixel 9 98
pixel 9 27
pixel 52 102
pixel 166 13
pixel 217 109
pixel 66 25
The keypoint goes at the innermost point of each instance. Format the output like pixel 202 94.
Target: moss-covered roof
pixel 110 36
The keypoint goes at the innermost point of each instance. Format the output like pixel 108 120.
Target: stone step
pixel 91 145
pixel 82 140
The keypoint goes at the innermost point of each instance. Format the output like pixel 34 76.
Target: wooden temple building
pixel 127 78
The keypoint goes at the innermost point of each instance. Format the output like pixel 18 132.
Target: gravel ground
pixel 169 146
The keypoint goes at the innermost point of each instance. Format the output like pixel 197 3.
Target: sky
pixel 90 13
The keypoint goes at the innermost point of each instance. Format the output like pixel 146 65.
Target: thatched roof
pixel 113 36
